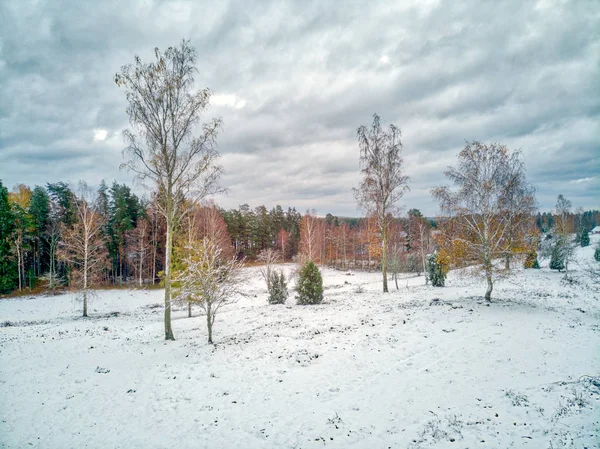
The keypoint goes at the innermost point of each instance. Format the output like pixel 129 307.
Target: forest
pixel 39 226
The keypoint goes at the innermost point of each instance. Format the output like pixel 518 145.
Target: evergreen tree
pixel 124 208
pixel 8 268
pixel 278 291
pixel 436 270
pixel 64 203
pixel 584 240
pixel 557 260
pixel 310 284
pixel 39 210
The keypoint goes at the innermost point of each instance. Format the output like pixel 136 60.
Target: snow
pixel 418 367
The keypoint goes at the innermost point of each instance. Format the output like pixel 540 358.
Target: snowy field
pixel 419 367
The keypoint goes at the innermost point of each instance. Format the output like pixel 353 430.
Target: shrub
pixel 436 270
pixel 585 239
pixel 278 291
pixel 597 253
pixel 531 260
pixel 310 284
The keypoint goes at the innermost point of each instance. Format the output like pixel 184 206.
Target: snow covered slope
pixel 418 367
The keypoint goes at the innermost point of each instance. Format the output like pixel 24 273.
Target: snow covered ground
pixel 418 367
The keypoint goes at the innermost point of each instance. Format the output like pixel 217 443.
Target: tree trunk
pixel 424 264
pixel 189 309
pixel 19 264
pixel 52 267
pixel 487 262
pixel 490 285
pixel 168 331
pixel 396 280
pixel 209 324
pixel 85 277
pixel 507 262
pixel 85 314
pixel 141 277
pixel 384 259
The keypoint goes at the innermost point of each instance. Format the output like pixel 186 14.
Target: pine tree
pixel 8 268
pixel 39 209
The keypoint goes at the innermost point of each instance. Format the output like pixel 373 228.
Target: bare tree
pixel 209 280
pixel 164 113
pixel 562 211
pixel 82 244
pixel 269 257
pixel 420 232
pixel 140 244
pixel 383 182
pixel 485 204
pixel 211 225
pixel 563 241
pixel 309 236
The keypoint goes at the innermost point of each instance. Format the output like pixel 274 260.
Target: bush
pixel 597 253
pixel 278 291
pixel 585 239
pixel 531 260
pixel 310 284
pixel 436 270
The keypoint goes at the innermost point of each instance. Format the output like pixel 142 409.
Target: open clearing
pixel 419 367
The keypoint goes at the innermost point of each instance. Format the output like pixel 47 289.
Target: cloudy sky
pixel 293 81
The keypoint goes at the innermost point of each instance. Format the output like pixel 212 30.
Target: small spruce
pixel 310 284
pixel 557 259
pixel 278 291
pixel 585 239
pixel 436 270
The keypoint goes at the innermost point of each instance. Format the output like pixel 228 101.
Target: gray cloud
pixel 293 81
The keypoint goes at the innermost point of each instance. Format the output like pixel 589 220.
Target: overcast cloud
pixel 293 81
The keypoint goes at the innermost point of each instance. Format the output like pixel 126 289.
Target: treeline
pixel 41 227
pixel 577 222
pixel 44 232
pixel 335 241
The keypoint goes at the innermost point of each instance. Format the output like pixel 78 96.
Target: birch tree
pixel 209 280
pixel 139 246
pixel 309 236
pixel 167 147
pixel 82 245
pixel 420 232
pixel 485 204
pixel 384 182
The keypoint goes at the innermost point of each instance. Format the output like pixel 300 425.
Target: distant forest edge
pixel 37 235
